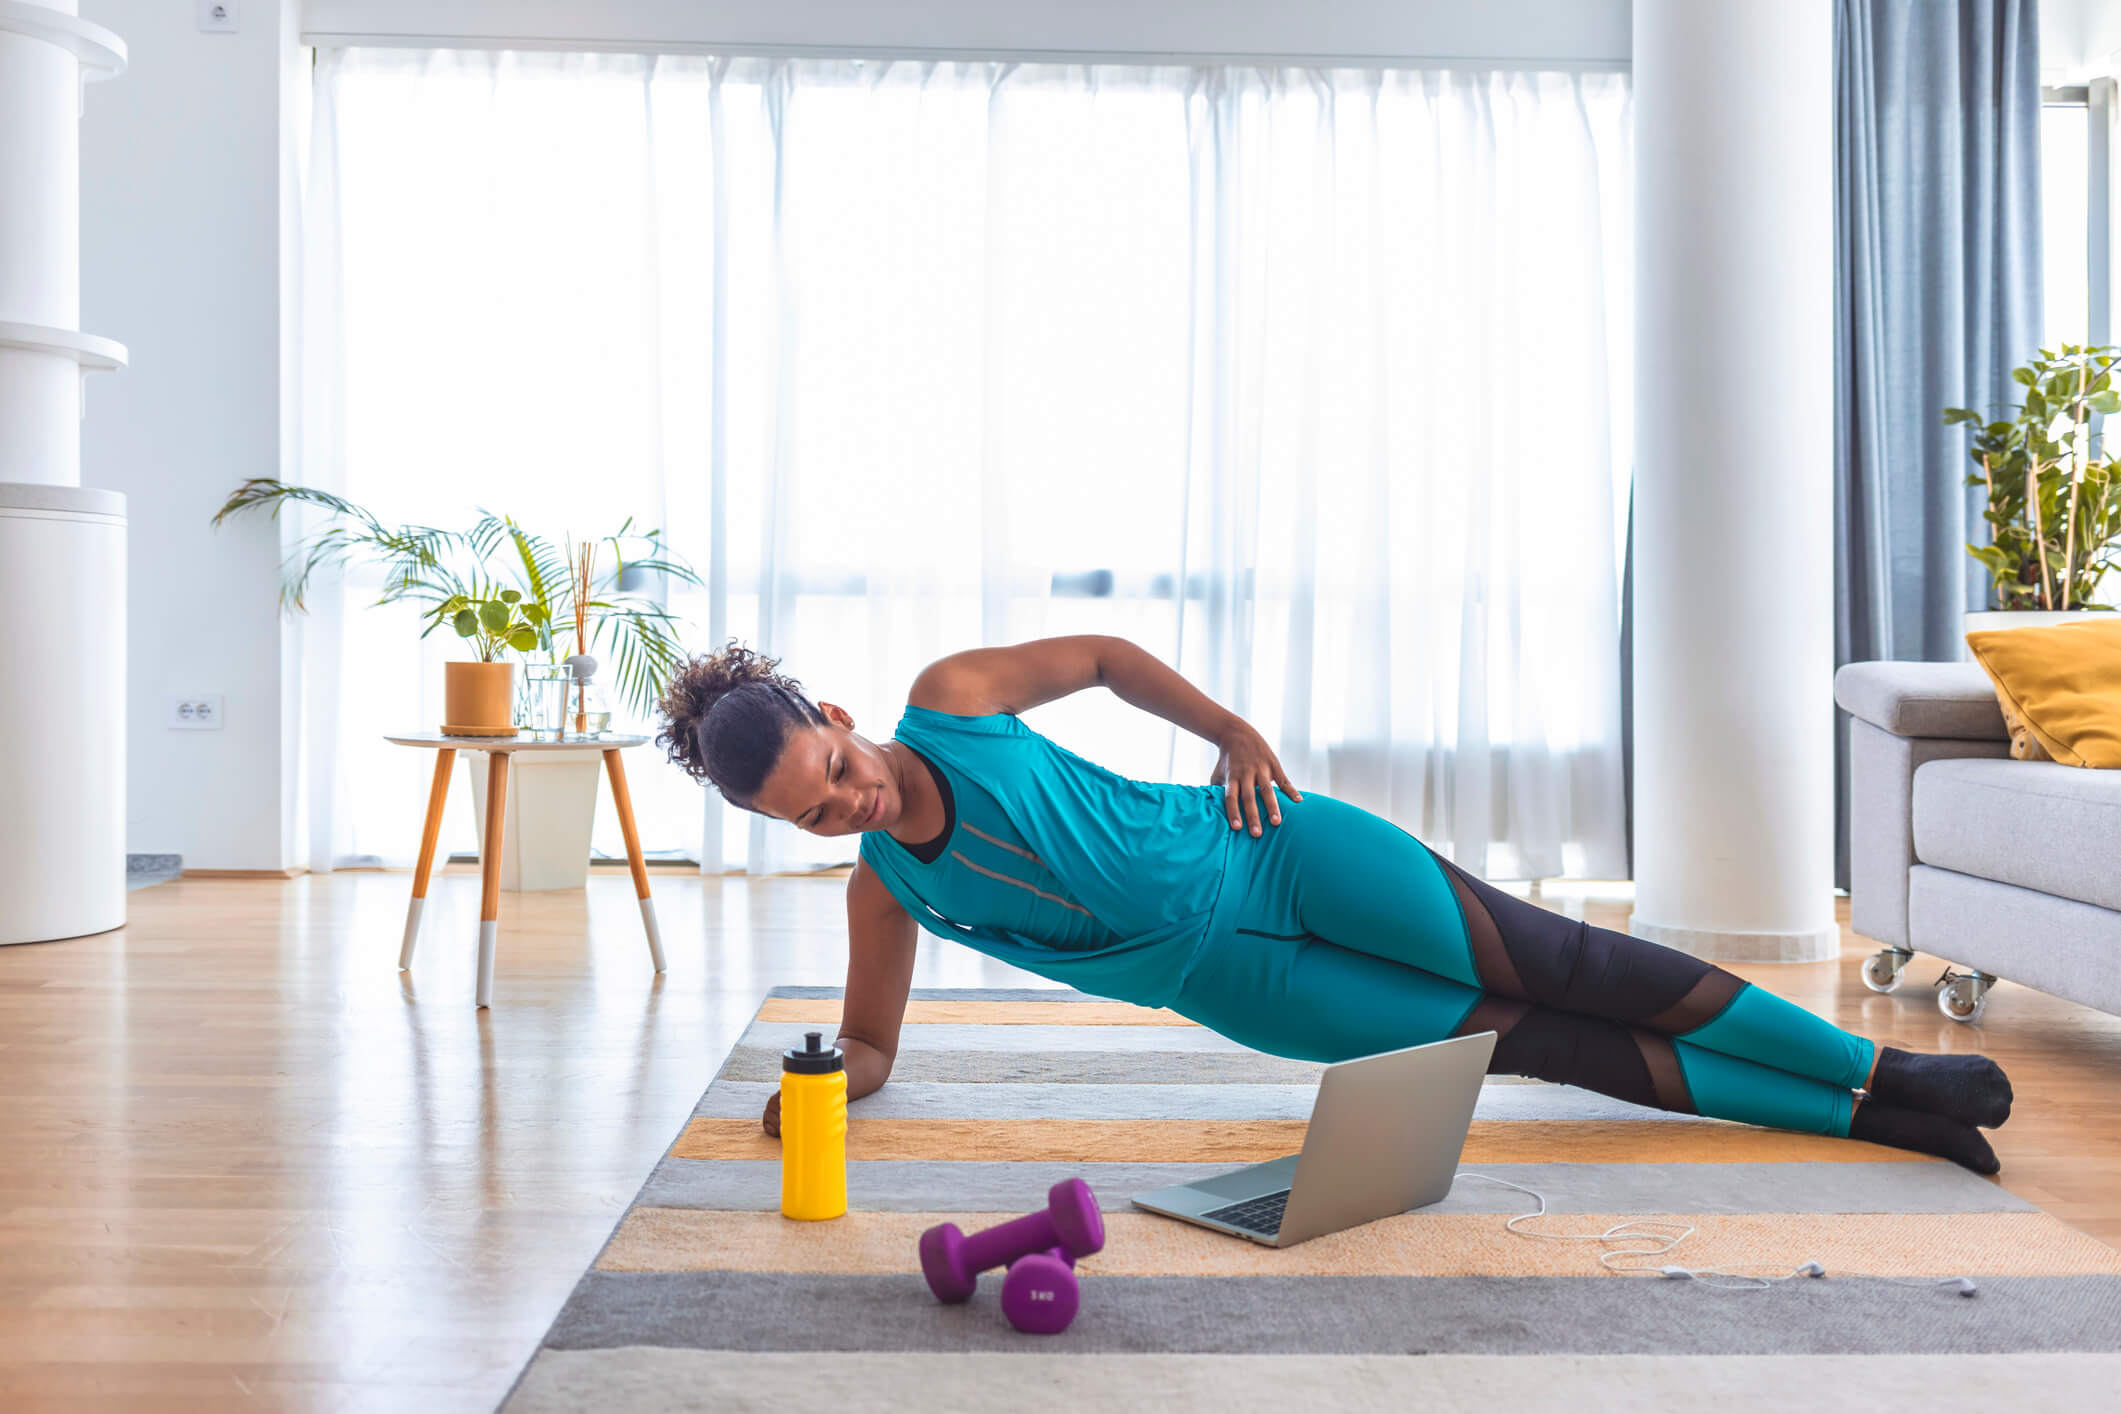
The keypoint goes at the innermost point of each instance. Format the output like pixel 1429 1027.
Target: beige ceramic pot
pixel 478 699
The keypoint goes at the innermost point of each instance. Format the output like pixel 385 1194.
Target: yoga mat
pixel 706 1298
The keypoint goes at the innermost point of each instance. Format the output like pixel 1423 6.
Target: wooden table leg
pixel 623 798
pixel 490 868
pixel 437 797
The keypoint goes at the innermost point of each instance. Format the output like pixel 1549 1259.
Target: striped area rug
pixel 706 1298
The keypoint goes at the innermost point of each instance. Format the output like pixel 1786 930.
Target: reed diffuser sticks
pixel 583 569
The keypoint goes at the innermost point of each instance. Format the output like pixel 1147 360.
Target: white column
pixel 62 547
pixel 46 54
pixel 1734 575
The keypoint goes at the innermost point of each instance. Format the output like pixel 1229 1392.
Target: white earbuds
pixel 1740 1281
pixel 1664 1236
pixel 1964 1286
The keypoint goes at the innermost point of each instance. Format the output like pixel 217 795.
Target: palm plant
pixel 451 575
pixel 637 632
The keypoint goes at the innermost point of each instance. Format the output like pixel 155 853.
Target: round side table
pixel 499 749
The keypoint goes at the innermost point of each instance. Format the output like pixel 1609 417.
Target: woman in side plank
pixel 1295 924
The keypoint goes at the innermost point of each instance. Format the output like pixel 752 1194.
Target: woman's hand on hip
pixel 1247 770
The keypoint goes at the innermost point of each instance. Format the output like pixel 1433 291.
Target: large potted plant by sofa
pixel 505 590
pixel 2053 490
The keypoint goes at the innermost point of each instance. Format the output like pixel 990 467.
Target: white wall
pixel 181 183
pixel 2079 40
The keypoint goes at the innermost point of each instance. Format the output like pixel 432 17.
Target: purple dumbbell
pixel 952 1261
pixel 1039 1295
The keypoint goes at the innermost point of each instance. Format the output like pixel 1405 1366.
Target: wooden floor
pixel 246 1164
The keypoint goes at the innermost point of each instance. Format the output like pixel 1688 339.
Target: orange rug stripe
pixel 1173 1141
pixel 827 1013
pixel 1413 1244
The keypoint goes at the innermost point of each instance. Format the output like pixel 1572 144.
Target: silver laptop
pixel 1386 1132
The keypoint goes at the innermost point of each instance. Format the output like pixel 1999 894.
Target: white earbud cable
pixel 1662 1236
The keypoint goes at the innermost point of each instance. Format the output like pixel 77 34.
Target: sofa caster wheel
pixel 1882 970
pixel 1963 996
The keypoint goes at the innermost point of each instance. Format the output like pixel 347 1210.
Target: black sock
pixel 1924 1133
pixel 1970 1089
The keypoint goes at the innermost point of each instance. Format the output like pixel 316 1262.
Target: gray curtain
pixel 1936 297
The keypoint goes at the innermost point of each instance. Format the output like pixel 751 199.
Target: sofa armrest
pixel 1882 770
pixel 1953 701
pixel 1906 715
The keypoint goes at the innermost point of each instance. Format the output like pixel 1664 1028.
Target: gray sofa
pixel 2009 868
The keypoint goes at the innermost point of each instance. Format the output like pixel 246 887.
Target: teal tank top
pixel 981 871
pixel 1056 864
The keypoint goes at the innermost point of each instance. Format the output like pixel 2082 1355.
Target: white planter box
pixel 552 803
pixel 1985 620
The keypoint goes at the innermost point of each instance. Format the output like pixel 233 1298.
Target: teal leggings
pixel 1353 938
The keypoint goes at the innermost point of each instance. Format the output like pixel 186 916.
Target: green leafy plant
pixel 493 625
pixel 2054 494
pixel 497 584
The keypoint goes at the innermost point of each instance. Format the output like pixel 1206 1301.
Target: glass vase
pixel 542 700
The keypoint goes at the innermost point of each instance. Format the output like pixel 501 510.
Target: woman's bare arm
pixel 1020 676
pixel 881 938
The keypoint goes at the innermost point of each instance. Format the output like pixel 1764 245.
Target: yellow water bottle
pixel 813 1130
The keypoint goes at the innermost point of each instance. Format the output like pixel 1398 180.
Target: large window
pixel 2076 250
pixel 1312 382
pixel 2075 216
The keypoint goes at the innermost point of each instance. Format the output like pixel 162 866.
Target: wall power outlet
pixel 200 711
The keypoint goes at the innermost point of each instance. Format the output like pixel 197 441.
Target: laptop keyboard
pixel 1260 1215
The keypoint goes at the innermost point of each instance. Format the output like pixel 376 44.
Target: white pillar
pixel 1734 767
pixel 62 547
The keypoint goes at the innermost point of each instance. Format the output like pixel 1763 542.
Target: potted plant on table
pixel 2053 490
pixel 508 592
pixel 479 698
pixel 451 574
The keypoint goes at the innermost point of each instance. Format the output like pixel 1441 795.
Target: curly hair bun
pixel 738 751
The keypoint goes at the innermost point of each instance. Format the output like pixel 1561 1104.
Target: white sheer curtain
pixel 1313 383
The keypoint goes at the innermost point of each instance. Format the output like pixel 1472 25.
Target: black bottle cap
pixel 815 1058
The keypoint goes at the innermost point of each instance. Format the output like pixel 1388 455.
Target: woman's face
pixel 830 781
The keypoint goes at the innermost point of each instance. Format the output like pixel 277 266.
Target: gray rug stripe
pixel 1041 1040
pixel 951 994
pixel 1046 1378
pixel 758 1063
pixel 1353 1315
pixel 746 1099
pixel 905 1186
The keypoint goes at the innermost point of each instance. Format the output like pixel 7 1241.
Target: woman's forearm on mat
pixel 867 1067
pixel 1139 677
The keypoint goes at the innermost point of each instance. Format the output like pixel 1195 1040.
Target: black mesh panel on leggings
pixel 1531 954
pixel 1625 1062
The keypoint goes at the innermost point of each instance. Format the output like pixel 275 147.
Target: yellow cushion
pixel 2062 683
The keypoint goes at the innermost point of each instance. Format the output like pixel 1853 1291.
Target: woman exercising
pixel 1301 926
